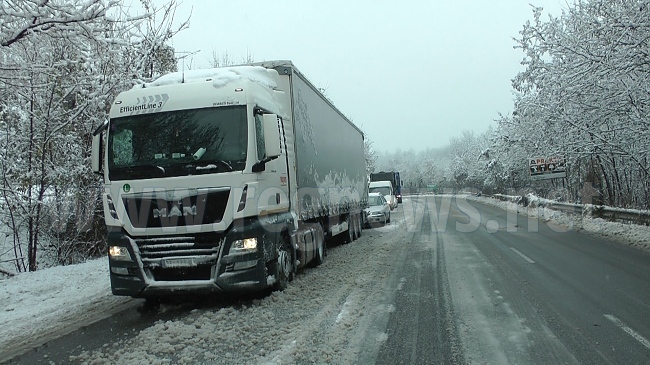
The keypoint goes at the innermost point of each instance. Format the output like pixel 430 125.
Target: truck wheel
pixel 388 217
pixel 284 266
pixel 359 226
pixel 350 236
pixel 320 251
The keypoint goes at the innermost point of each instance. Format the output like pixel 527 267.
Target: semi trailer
pixel 226 179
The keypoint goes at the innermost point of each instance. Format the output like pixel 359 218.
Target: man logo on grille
pixel 175 211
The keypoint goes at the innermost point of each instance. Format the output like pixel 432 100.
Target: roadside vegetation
pixel 583 95
pixel 61 65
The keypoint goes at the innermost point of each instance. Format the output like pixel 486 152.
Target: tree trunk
pixel 608 187
pixel 31 243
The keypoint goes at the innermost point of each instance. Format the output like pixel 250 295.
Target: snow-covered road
pixel 337 313
pixel 327 314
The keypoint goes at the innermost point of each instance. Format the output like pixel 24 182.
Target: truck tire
pixel 320 251
pixel 361 224
pixel 350 236
pixel 358 226
pixel 284 265
pixel 388 218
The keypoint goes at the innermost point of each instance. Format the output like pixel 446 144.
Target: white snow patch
pixel 400 286
pixel 220 76
pixel 37 303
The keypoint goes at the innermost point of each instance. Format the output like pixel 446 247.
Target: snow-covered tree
pixel 61 64
pixel 370 156
pixel 469 157
pixel 584 94
pixel 225 59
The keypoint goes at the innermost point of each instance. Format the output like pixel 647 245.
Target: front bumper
pixel 140 283
pixel 189 264
pixel 370 219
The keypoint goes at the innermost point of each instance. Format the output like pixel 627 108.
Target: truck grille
pixel 180 257
pixel 157 210
pixel 155 248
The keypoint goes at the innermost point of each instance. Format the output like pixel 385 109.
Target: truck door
pixel 273 181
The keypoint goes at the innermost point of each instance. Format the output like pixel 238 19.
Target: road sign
pixel 547 167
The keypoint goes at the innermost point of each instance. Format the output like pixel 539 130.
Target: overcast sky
pixel 411 74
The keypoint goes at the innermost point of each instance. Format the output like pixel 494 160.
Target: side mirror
pixel 271 135
pixel 96 154
pixel 96 150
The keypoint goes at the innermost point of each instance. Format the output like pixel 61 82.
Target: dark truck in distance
pixel 393 177
pixel 226 179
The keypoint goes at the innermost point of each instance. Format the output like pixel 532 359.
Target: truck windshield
pixel 177 143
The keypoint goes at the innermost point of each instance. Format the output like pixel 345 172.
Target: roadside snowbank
pixel 35 304
pixel 629 234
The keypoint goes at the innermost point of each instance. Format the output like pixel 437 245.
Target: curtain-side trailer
pixel 226 179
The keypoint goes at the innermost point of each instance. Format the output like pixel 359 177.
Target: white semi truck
pixel 226 179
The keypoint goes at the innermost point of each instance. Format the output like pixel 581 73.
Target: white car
pixel 378 210
pixel 386 189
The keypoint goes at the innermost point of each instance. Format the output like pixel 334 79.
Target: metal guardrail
pixel 595 211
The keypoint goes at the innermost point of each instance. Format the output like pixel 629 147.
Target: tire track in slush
pixel 423 329
pixel 335 334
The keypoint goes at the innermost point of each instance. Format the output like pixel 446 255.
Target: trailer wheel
pixel 361 224
pixel 350 236
pixel 284 266
pixel 357 226
pixel 320 251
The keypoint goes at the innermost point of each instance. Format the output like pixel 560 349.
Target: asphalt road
pixel 528 291
pixel 451 281
pixel 422 329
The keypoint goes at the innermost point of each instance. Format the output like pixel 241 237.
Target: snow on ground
pixel 324 316
pixel 630 234
pixel 328 310
pixel 42 302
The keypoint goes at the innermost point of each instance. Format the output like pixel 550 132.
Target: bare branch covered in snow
pixel 23 18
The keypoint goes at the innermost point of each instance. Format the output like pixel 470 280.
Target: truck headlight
pixel 244 245
pixel 119 253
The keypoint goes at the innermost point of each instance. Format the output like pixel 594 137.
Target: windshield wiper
pixel 213 164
